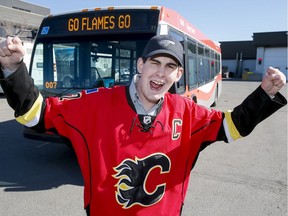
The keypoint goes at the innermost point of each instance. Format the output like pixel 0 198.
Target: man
pixel 136 145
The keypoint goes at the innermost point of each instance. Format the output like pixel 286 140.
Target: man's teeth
pixel 158 83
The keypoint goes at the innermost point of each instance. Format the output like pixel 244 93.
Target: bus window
pixel 207 76
pixel 211 64
pixel 192 71
pixel 65 64
pixel 37 66
pixel 219 63
pixel 180 85
pixel 101 63
pixel 192 47
pixel 206 70
pixel 114 62
pixel 200 50
pixel 192 64
pixel 201 67
pixel 123 61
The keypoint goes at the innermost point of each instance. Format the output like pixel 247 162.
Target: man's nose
pixel 161 70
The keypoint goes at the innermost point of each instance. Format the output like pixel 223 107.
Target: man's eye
pixel 172 66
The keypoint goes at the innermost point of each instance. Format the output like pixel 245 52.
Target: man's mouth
pixel 156 85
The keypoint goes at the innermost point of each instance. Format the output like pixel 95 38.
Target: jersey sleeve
pixel 233 124
pixel 254 109
pixel 23 97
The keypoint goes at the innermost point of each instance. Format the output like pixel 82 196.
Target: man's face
pixel 157 76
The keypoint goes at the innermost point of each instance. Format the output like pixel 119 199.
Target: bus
pixel 99 47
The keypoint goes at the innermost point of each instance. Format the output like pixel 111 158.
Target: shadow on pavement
pixel 29 165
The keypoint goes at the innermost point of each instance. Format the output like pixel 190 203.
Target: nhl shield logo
pixel 147 120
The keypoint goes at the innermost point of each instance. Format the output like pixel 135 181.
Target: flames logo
pixel 133 174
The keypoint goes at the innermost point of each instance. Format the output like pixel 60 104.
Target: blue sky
pixel 220 20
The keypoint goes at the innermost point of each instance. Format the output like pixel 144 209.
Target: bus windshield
pixel 60 66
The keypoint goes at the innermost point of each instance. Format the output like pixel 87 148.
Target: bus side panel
pixel 206 94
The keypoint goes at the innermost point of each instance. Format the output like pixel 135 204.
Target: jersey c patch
pixel 176 123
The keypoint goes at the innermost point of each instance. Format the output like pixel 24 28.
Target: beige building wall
pixel 19 18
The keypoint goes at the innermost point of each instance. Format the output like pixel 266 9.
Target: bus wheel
pixel 194 98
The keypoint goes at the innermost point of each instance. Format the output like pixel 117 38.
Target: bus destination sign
pixel 123 21
pixel 120 21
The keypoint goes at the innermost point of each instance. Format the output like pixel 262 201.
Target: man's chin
pixel 156 98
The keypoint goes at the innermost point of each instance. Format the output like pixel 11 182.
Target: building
pixel 250 59
pixel 20 18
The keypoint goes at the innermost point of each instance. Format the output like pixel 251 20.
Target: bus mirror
pixel 33 33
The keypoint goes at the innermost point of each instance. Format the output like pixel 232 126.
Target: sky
pixel 220 20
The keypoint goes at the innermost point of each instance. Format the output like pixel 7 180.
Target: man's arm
pixel 22 96
pixel 254 109
pixel 259 105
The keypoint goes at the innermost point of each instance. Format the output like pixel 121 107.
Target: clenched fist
pixel 11 53
pixel 273 81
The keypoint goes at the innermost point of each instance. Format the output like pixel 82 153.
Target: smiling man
pixel 135 145
pixel 160 66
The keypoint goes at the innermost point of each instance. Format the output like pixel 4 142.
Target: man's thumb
pixel 15 44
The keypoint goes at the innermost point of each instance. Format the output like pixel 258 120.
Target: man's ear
pixel 140 63
pixel 179 73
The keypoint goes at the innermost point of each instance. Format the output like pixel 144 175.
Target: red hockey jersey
pixel 128 171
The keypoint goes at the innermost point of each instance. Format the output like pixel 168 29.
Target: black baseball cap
pixel 164 44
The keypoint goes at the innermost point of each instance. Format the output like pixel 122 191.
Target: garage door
pixel 276 57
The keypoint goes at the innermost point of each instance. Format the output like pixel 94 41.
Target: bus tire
pixel 194 98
